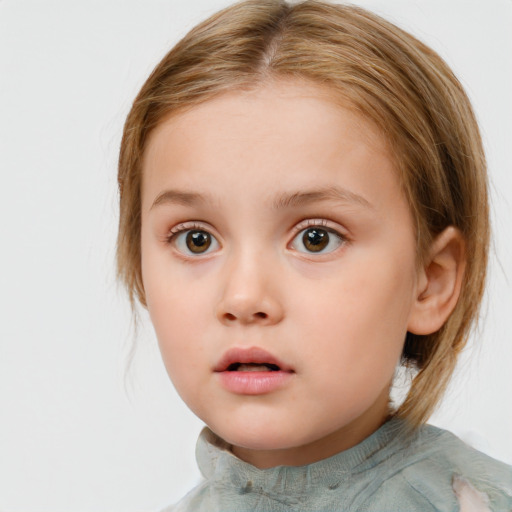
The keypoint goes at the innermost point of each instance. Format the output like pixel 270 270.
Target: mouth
pixel 252 367
pixel 252 371
pixel 253 359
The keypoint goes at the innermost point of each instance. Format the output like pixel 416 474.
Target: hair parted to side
pixel 385 74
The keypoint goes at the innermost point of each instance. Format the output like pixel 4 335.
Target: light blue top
pixel 387 472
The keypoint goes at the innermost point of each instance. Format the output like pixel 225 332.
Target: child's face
pixel 273 221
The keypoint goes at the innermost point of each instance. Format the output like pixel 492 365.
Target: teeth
pixel 255 367
pixel 252 367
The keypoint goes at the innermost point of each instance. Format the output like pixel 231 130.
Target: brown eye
pixel 193 241
pixel 198 241
pixel 315 239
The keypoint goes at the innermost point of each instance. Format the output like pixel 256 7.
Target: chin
pixel 251 435
pixel 262 436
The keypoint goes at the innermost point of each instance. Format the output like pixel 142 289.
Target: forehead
pixel 305 104
pixel 296 132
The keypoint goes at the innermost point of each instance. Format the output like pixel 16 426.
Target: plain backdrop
pixel 78 430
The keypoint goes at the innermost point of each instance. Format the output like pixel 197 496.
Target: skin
pixel 338 317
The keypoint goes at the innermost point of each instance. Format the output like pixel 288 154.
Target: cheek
pixel 177 315
pixel 361 296
pixel 174 292
pixel 178 312
pixel 178 320
pixel 359 315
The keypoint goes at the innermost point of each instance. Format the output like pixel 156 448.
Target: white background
pixel 76 432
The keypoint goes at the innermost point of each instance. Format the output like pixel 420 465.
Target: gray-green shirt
pixel 387 472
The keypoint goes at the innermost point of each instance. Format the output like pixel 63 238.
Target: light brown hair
pixel 378 69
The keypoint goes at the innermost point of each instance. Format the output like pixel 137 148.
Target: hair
pixel 386 75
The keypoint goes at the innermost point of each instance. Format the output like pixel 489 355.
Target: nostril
pixel 260 315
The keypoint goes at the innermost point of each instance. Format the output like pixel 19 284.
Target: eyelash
pixel 313 223
pixel 184 226
pixel 324 225
pixel 302 226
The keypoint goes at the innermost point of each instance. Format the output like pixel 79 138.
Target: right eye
pixel 194 241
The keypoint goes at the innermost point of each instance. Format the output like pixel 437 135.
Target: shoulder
pixel 439 468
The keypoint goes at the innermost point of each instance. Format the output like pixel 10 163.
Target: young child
pixel 303 209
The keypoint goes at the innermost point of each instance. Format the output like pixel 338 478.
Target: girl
pixel 303 209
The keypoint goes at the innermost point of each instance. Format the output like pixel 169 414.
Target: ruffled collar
pixel 220 466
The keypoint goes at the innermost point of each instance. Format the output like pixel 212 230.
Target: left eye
pixel 195 241
pixel 317 240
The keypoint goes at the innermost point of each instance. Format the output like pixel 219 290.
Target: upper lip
pixel 249 355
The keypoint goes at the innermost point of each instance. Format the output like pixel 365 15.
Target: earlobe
pixel 439 283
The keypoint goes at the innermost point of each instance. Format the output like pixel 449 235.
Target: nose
pixel 250 293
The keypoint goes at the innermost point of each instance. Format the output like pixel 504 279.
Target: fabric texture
pixel 389 471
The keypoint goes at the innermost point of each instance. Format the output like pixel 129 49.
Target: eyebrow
pixel 179 197
pixel 306 197
pixel 282 201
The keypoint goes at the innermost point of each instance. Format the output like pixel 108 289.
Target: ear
pixel 439 283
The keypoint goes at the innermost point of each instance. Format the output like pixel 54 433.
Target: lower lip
pixel 254 383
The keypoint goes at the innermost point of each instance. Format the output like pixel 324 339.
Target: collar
pixel 221 467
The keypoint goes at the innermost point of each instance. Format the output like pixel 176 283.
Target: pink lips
pixel 253 382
